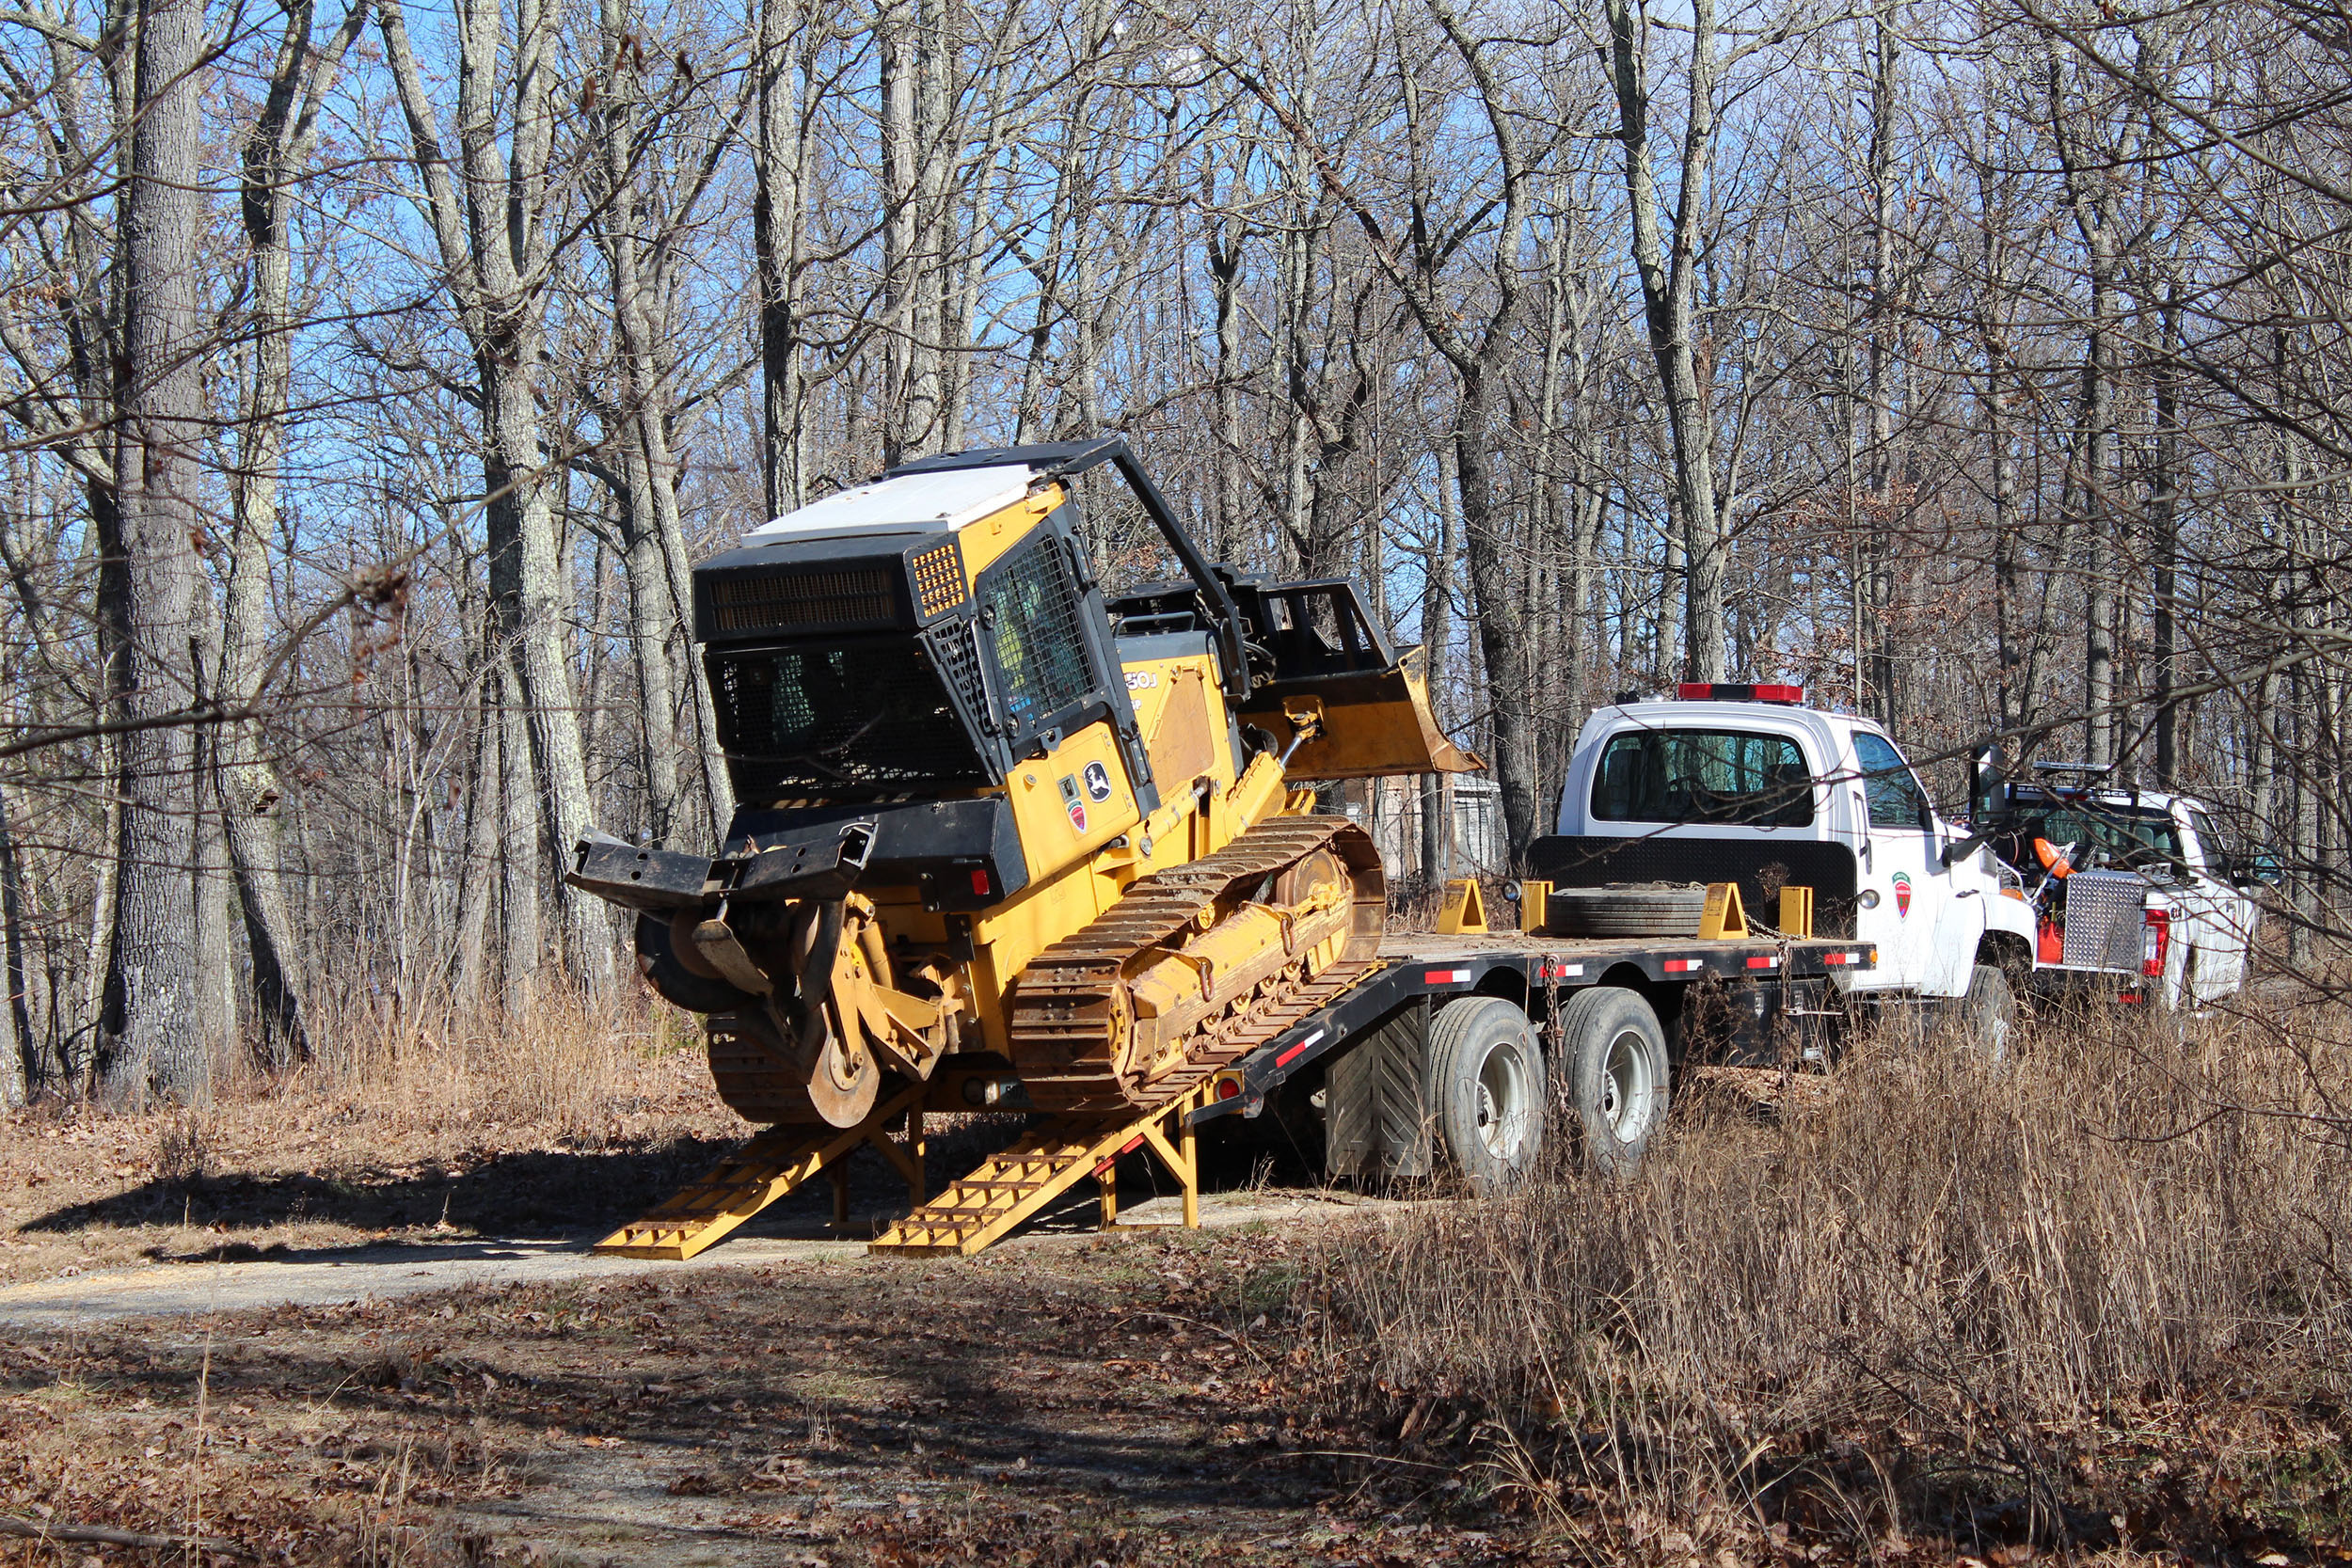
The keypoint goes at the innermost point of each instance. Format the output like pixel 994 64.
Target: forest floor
pixel 312 1326
pixel 330 1325
pixel 1077 1401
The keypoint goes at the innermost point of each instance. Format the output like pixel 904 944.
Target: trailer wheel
pixel 659 962
pixel 1988 1013
pixel 1486 1077
pixel 1613 1075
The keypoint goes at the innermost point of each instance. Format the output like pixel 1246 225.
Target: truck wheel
pixel 657 959
pixel 1486 1077
pixel 1614 1079
pixel 1988 1013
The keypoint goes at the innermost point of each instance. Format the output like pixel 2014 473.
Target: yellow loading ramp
pixel 1007 1189
pixel 774 1164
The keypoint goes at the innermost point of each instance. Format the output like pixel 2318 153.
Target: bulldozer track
pixel 1068 1011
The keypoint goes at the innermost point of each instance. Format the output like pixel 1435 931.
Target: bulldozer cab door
pixel 1335 673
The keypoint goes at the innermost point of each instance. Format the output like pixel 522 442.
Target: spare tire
pixel 1628 910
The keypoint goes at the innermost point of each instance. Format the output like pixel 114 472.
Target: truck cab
pixel 1792 796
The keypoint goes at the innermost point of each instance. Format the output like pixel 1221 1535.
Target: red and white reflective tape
pixel 1560 972
pixel 1292 1055
pixel 1765 960
pixel 1841 958
pixel 1682 966
pixel 1446 978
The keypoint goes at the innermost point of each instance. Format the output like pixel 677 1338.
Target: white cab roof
pixel 909 503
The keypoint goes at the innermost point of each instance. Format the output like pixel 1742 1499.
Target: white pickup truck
pixel 2151 889
pixel 1746 781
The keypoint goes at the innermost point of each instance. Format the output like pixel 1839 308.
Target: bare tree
pixel 487 209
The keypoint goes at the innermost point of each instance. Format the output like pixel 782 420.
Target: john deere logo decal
pixel 1098 780
pixel 1902 895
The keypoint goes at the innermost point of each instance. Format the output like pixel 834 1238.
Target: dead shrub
pixel 183 1147
pixel 1934 1298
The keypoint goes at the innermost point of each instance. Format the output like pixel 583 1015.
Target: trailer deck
pixel 1059 1151
pixel 1412 965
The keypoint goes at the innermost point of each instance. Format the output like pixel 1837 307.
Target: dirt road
pixel 1068 1398
pixel 315 1276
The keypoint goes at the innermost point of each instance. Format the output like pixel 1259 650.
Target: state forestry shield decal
pixel 1902 895
pixel 1073 801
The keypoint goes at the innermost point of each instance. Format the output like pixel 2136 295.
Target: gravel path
pixel 328 1275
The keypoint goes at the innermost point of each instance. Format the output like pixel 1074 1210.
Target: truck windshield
pixel 1756 781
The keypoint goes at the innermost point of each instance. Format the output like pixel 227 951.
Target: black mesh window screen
pixel 822 719
pixel 1758 781
pixel 1034 631
pixel 753 602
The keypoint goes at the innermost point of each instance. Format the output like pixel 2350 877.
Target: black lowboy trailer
pixel 1469 1037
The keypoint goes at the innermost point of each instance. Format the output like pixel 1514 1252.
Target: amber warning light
pixel 1702 691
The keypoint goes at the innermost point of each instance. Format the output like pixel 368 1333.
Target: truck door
pixel 2212 964
pixel 1926 936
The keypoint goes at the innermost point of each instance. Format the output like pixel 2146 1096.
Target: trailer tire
pixel 1613 1076
pixel 1988 1013
pixel 658 960
pixel 1486 1084
pixel 1626 910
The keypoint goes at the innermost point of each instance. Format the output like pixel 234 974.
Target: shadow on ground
pixel 572 1194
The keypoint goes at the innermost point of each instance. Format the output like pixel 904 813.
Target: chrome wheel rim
pixel 1625 1085
pixel 1503 1103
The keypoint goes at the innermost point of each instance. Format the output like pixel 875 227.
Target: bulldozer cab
pixel 918 635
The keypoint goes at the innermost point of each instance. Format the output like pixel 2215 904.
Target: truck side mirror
pixel 1983 783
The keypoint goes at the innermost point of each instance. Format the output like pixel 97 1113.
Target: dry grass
pixel 563 1061
pixel 2099 1297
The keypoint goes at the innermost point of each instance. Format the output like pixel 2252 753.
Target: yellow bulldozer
pixel 991 817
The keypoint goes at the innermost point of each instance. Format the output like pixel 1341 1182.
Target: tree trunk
pixel 1886 49
pixel 2164 530
pixel 152 1006
pixel 1437 629
pixel 777 149
pixel 518 849
pixel 491 230
pixel 1669 291
pixel 1502 636
pixel 26 1074
pixel 1223 252
pixel 244 785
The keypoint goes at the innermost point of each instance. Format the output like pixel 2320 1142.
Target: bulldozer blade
pixel 1374 724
